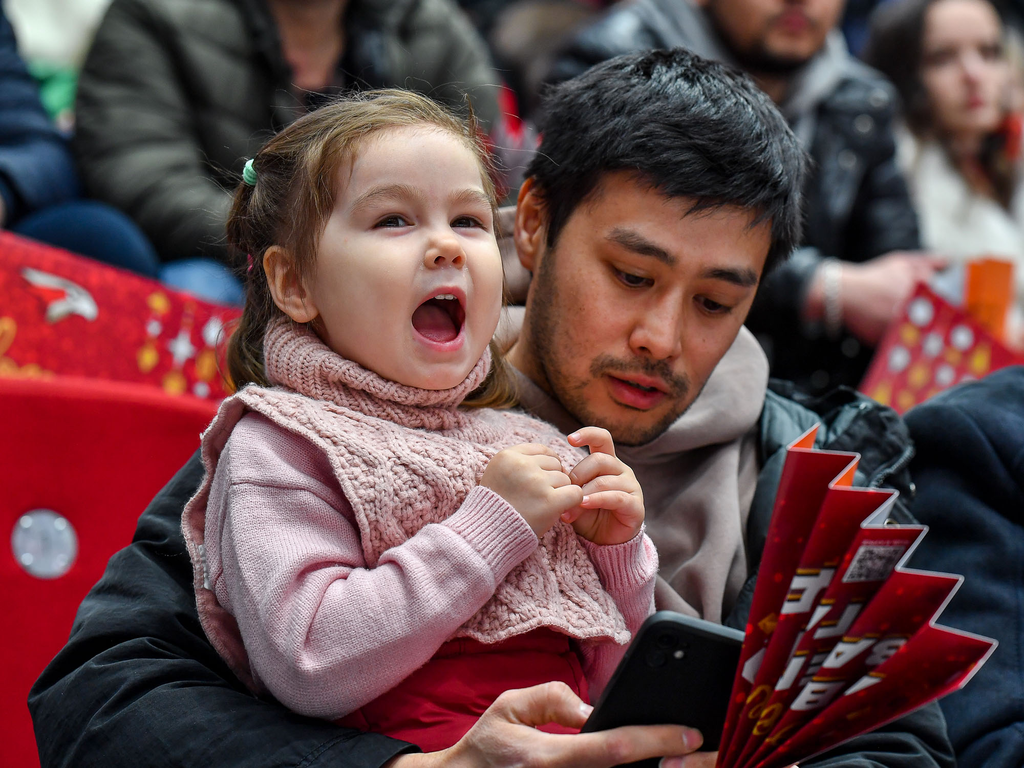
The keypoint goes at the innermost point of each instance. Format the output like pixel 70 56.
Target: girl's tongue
pixel 435 320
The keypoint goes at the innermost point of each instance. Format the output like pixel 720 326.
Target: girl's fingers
pixel 567 497
pixel 572 515
pixel 534 449
pixel 620 501
pixel 595 465
pixel 598 440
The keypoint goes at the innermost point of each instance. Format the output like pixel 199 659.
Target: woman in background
pixel 960 149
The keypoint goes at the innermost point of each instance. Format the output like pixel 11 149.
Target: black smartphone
pixel 677 670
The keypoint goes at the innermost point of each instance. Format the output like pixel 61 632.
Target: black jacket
pixel 176 94
pixel 856 203
pixel 138 684
pixel 970 471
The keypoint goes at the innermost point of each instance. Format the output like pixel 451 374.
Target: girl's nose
pixel 444 249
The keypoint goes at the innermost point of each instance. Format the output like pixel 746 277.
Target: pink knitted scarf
pixel 405 457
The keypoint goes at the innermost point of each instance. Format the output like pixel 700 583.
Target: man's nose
pixel 658 332
pixel 444 249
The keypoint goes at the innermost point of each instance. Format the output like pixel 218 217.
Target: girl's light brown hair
pixel 297 173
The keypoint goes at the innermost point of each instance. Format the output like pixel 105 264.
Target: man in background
pixel 820 315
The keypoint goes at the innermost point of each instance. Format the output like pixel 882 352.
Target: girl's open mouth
pixel 439 318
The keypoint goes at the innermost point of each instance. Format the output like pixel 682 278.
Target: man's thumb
pixel 552 702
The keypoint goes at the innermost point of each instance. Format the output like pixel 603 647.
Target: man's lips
pixel 793 21
pixel 640 392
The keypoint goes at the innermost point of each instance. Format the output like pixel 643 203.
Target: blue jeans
pixel 205 278
pixel 92 229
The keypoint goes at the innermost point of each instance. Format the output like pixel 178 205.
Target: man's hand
pixel 872 292
pixel 530 477
pixel 612 509
pixel 506 736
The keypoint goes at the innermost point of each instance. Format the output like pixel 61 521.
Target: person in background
pixel 969 472
pixel 175 94
pixel 961 143
pixel 820 314
pixel 38 184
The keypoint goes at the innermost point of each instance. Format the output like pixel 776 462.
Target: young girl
pixel 374 542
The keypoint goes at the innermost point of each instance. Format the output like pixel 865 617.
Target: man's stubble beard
pixel 758 61
pixel 544 327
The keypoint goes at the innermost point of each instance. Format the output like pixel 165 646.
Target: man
pixel 821 314
pixel 648 228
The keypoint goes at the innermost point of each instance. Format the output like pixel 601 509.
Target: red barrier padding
pixel 95 452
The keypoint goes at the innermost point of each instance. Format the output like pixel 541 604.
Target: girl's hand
pixel 530 478
pixel 612 509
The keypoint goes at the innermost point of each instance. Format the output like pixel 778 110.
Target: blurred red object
pixel 67 315
pixel 79 461
pixel 929 347
pixel 107 380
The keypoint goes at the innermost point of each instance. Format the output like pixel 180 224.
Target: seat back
pixel 95 453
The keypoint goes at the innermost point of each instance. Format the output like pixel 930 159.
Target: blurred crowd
pixel 125 125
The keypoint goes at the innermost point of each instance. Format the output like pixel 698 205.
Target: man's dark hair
pixel 687 126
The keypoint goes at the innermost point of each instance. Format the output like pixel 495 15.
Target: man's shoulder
pixel 629 27
pixel 848 421
pixel 862 89
pixel 188 14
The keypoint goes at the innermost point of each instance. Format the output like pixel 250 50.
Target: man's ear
pixel 286 288
pixel 531 225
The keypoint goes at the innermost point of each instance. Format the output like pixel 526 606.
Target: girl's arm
pixel 628 573
pixel 324 633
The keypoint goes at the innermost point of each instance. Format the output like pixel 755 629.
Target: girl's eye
pixel 468 221
pixel 392 220
pixel 633 281
pixel 713 307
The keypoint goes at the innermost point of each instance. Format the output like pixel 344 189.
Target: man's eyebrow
pixel 637 243
pixel 744 278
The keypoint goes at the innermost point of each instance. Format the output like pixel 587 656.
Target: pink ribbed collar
pixel 296 358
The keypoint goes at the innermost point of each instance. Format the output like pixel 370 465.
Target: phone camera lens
pixel 656 659
pixel 666 641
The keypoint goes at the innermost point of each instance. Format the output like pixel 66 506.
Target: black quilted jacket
pixel 176 94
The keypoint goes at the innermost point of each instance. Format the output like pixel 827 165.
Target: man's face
pixel 630 312
pixel 773 36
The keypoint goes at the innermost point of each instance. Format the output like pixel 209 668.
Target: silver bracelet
pixel 832 294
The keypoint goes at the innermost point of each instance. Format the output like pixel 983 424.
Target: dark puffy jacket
pixel 36 169
pixel 176 94
pixel 970 474
pixel 856 203
pixel 139 684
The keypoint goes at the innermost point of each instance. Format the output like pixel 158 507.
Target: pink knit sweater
pixel 339 537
